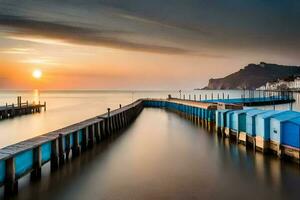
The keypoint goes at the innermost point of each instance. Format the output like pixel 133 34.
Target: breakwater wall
pixel 267 131
pixel 58 146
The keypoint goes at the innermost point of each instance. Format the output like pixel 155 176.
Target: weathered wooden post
pixel 107 124
pixel 10 184
pixel 120 106
pixel 13 110
pixel 84 142
pixel 6 111
pixel 68 146
pixel 228 96
pixel 115 122
pixel 61 153
pixel 212 96
pixel 205 97
pixel 76 146
pixel 223 96
pixel 97 132
pixel 37 163
pixel 118 121
pixel 91 137
pixel 54 154
pixel 103 129
pixel 200 97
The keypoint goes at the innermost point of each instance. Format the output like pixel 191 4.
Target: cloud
pixel 23 27
pixel 18 51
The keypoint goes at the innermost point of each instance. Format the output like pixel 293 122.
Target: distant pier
pixel 21 108
pixel 261 99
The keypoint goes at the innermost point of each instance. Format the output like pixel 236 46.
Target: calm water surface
pixel 163 156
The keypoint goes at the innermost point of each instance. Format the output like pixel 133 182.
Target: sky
pixel 141 44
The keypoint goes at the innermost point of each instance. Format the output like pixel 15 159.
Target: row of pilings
pixel 59 146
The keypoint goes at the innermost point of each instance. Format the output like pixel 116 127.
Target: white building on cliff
pixel 292 83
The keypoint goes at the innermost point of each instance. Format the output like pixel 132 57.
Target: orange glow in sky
pixel 129 46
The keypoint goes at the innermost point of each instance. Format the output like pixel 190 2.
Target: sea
pixel 159 156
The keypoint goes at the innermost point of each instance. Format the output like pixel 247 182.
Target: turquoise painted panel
pixel 46 152
pixel 229 117
pixel 80 136
pixel 211 115
pixel 250 125
pixel 235 120
pixel 218 119
pixel 2 171
pixel 242 122
pixel 71 140
pixel 23 162
pixel 223 117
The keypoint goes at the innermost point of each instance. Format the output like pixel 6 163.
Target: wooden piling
pixel 54 155
pixel 68 146
pixel 76 146
pixel 97 132
pixel 84 143
pixel 37 163
pixel 91 133
pixel 61 153
pixel 10 184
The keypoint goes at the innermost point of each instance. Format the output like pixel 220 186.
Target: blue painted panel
pixel 23 162
pixel 64 142
pixel 290 134
pixel 276 124
pixel 80 136
pixel 250 125
pixel 250 121
pixel 201 113
pixel 211 115
pixel 235 120
pixel 218 118
pixel 262 123
pixel 2 171
pixel 242 122
pixel 229 119
pixel 223 117
pixel 71 140
pixel 46 152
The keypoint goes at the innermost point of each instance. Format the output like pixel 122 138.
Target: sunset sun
pixel 37 74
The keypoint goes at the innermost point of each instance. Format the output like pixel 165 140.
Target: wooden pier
pixel 13 110
pixel 56 147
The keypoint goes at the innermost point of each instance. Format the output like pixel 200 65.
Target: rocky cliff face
pixel 253 76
